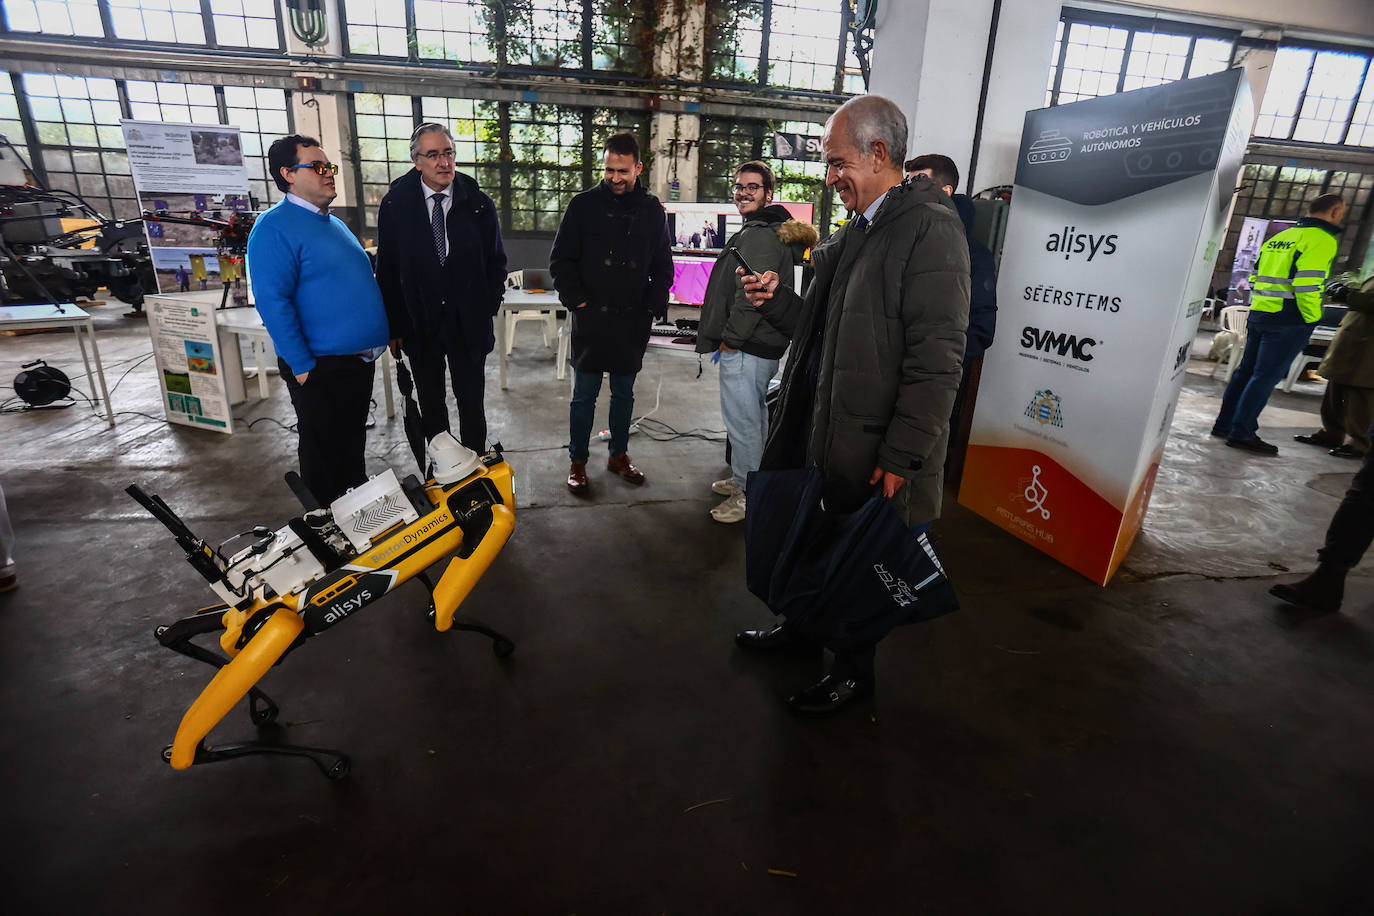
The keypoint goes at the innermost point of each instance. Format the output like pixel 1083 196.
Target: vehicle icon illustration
pixel 1052 146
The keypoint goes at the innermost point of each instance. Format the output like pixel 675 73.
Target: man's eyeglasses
pixel 319 168
pixel 435 155
pixel 752 187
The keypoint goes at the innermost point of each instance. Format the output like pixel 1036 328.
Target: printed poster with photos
pixel 190 367
pixel 180 170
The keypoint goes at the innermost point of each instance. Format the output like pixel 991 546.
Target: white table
pixel 524 300
pixel 246 322
pixel 22 317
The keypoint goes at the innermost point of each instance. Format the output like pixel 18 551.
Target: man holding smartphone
pixel 748 347
pixel 320 303
pixel 875 362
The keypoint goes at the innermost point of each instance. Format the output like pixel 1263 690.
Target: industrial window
pixel 376 27
pixel 11 122
pixel 54 17
pixel 1098 54
pixel 476 135
pixel 804 43
pixel 726 142
pixel 1283 193
pixel 261 115
pixel 736 29
pixel 171 21
pixel 453 30
pixel 546 34
pixel 1319 96
pixel 245 23
pixel 782 44
pixel 529 158
pixel 383 125
pixel 1362 122
pixel 614 37
pixel 80 143
pixel 178 103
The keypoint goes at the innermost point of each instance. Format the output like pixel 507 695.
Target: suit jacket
pixel 453 303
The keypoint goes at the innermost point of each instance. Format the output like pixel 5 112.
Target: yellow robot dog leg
pixel 462 574
pixel 232 683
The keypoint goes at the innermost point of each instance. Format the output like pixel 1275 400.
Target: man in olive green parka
pixel 876 352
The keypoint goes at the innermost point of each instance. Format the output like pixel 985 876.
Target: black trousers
pixel 331 423
pixel 1352 527
pixel 468 375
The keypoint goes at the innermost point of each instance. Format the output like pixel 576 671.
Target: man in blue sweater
pixel 314 288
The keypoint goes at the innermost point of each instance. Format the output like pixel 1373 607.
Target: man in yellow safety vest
pixel 1285 305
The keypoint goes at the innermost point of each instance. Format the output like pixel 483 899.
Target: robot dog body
pixel 302 580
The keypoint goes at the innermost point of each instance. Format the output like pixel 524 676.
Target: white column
pixel 682 55
pixel 928 57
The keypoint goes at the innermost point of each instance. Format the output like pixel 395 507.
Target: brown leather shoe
pixel 620 464
pixel 577 478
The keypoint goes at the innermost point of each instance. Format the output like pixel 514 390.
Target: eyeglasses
pixel 319 168
pixel 435 155
pixel 752 187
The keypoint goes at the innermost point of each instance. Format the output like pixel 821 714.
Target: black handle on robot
pixel 198 553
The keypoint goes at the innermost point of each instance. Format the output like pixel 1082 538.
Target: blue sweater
pixel 313 286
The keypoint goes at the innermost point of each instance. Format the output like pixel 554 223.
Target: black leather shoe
pixel 1317 439
pixel 829 695
pixel 1254 444
pixel 1219 433
pixel 1345 451
pixel 777 639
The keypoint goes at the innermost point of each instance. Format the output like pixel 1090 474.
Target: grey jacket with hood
pixel 769 240
pixel 876 354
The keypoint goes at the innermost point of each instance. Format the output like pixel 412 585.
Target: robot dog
pixel 322 568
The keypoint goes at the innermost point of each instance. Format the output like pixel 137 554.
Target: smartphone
pixel 743 263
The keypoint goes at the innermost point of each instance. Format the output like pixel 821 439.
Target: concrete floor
pixel 1175 742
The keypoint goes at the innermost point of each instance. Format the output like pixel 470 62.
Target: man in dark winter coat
pixel 982 312
pixel 441 267
pixel 749 347
pixel 612 266
pixel 876 351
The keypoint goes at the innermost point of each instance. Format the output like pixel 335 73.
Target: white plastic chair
pixel 549 317
pixel 1232 320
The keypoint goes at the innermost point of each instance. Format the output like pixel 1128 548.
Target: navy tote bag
pixel 840 578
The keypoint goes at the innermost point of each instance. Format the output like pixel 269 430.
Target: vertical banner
pixel 1117 215
pixel 181 170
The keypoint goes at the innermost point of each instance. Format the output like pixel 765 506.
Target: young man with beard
pixel 612 266
pixel 749 347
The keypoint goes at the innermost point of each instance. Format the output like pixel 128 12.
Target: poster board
pixel 180 169
pixel 1117 215
pixel 191 368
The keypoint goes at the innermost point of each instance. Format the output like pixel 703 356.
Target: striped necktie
pixel 437 222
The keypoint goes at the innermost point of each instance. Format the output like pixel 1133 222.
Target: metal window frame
pixel 1071 16
pixel 107 24
pixel 765 60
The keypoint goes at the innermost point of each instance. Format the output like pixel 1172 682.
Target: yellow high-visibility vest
pixel 1293 266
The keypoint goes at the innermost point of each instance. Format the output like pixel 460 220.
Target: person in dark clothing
pixel 982 315
pixel 1348 536
pixel 612 266
pixel 441 267
pixel 876 348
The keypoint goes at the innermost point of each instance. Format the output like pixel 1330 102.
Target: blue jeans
pixel 1269 352
pixel 582 412
pixel 743 386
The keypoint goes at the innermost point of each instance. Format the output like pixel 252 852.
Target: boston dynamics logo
pixel 1051 147
pixel 1046 408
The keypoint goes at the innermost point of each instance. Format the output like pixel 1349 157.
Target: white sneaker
pixel 730 511
pixel 726 487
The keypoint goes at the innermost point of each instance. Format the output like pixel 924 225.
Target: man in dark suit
pixel 442 271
